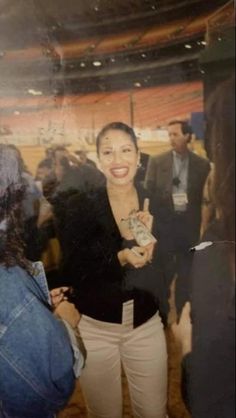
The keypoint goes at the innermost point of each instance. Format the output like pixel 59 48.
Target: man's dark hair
pixel 185 127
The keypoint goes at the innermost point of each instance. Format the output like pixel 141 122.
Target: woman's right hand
pixel 58 295
pixel 137 256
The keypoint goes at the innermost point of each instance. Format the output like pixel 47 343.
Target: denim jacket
pixel 36 358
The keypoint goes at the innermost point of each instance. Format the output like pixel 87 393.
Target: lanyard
pixel 176 179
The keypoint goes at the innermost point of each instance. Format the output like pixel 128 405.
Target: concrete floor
pixel 176 409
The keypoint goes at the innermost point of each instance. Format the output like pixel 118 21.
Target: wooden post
pixel 131 109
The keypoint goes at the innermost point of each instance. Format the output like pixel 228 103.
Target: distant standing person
pixel 176 179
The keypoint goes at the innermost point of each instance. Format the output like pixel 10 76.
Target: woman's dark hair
pixel 116 126
pixel 12 191
pixel 221 121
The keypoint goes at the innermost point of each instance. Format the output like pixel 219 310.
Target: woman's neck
pixel 122 191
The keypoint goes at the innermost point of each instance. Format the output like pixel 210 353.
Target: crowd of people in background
pixel 62 173
pixel 124 233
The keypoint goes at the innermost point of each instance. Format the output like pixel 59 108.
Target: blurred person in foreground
pixel 39 356
pixel 72 175
pixel 30 209
pixel 207 325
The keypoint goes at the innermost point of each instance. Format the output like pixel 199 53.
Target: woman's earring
pixel 139 165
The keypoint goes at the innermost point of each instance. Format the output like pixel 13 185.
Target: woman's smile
pixel 120 171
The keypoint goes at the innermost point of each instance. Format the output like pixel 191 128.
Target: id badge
pixel 180 199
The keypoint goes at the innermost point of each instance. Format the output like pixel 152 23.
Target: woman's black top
pixel 90 241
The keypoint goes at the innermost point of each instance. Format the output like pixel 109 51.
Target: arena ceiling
pixel 55 47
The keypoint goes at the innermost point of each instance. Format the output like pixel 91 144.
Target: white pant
pixel 142 352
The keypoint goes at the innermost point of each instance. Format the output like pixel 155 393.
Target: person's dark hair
pixel 56 149
pixel 185 127
pixel 60 148
pixel 46 163
pixel 64 162
pixel 12 192
pixel 221 121
pixel 23 166
pixel 116 126
pixel 49 152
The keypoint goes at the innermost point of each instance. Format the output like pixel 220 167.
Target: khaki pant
pixel 142 353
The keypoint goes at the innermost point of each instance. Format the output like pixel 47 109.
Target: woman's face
pixel 118 157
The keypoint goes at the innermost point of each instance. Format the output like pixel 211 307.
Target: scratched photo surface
pixel 110 173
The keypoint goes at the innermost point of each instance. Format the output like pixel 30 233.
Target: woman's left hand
pixel 68 312
pixel 145 216
pixel 150 249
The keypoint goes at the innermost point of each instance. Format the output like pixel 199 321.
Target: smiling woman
pixel 118 155
pixel 118 284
